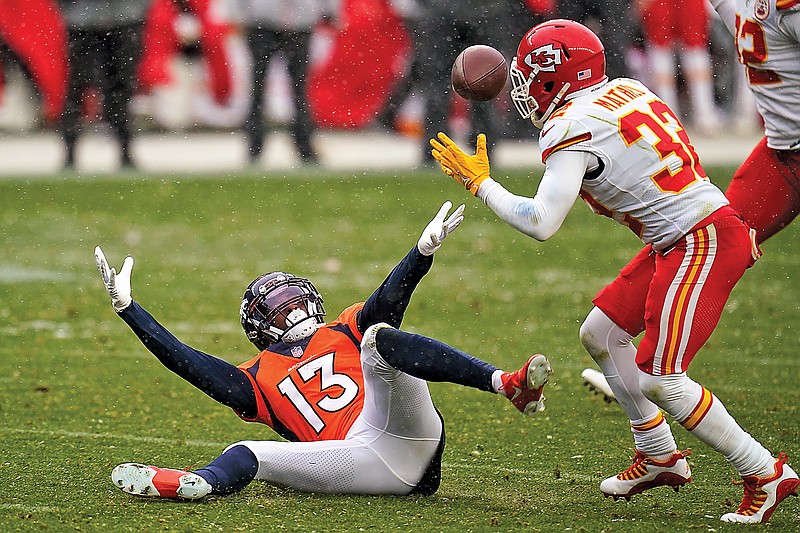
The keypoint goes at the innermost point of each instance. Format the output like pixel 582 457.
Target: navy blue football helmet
pixel 280 307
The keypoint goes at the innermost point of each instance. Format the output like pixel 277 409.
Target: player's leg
pixel 765 189
pixel 607 334
pixel 435 361
pixel 228 473
pixel 703 271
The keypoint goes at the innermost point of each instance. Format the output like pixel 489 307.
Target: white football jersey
pixel 650 177
pixel 768 43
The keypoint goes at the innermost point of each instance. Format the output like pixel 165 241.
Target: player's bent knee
pixel 370 336
pixel 594 333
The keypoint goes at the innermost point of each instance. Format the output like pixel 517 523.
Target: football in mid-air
pixel 479 73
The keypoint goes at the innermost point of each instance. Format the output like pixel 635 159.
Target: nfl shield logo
pixel 584 74
pixel 297 352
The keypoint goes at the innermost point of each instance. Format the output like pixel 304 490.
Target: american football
pixel 479 73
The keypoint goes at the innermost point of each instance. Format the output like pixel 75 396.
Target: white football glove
pixel 439 228
pixel 117 285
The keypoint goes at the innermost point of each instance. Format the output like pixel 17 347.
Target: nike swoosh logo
pixel 517 392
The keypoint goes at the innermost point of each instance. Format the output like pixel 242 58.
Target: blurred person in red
pixel 766 187
pixel 191 28
pixel 682 28
pixel 33 32
pixel 104 49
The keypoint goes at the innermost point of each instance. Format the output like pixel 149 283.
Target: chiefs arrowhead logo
pixel 544 59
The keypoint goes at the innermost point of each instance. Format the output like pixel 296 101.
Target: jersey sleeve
pixel 564 134
pixel 726 9
pixel 540 216
pixel 389 301
pixel 790 21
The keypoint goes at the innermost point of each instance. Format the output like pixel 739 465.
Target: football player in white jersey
pixel 618 146
pixel 766 188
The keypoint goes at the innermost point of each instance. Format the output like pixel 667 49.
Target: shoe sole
pixel 664 479
pixel 539 372
pixel 135 479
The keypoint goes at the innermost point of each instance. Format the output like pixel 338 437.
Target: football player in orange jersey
pixel 350 396
pixel 621 149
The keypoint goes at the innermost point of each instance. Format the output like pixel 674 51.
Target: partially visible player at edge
pixel 620 148
pixel 766 187
pixel 351 395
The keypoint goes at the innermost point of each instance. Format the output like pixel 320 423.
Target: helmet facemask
pixel 527 105
pixel 280 307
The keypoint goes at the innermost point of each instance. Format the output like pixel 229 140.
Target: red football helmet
pixel 554 60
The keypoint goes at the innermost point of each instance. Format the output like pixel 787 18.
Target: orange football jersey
pixel 312 393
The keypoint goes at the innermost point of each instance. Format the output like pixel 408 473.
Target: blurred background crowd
pixel 254 67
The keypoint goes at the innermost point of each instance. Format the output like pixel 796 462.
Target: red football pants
pixel 677 297
pixel 765 190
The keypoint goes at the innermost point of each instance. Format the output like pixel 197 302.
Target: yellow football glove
pixel 468 170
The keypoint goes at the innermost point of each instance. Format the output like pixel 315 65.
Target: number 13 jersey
pixel 314 390
pixel 650 178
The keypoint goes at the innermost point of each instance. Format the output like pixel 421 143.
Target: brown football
pixel 479 73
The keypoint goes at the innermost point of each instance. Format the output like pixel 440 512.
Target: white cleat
pixel 762 495
pixel 596 381
pixel 647 473
pixel 155 482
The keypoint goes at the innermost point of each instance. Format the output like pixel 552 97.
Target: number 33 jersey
pixel 314 390
pixel 650 178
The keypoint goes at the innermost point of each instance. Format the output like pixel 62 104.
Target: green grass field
pixel 79 393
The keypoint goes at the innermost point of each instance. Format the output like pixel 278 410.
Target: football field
pixel 80 394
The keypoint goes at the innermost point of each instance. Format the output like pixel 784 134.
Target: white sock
pixel 654 437
pixel 705 417
pixel 497 383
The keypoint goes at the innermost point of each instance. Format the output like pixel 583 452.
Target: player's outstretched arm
pixel 118 285
pixel 219 379
pixel 388 302
pixel 439 228
pixel 468 170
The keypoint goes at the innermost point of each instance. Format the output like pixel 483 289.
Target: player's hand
pixel 468 170
pixel 117 285
pixel 439 228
